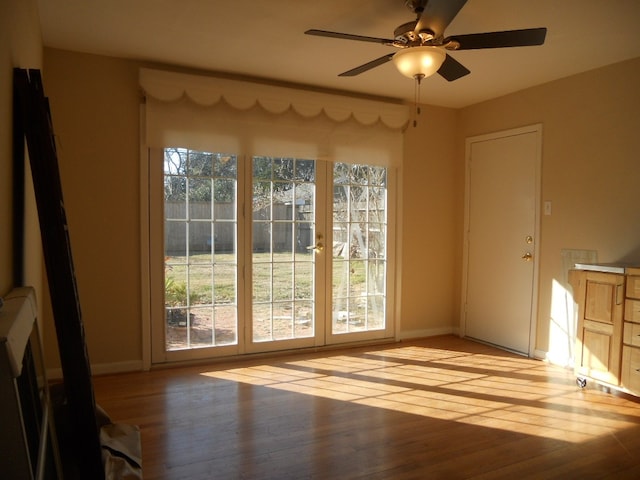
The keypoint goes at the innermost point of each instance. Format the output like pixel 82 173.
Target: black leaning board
pixel 38 130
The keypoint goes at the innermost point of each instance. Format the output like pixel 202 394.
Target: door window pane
pixel 359 248
pixel 200 249
pixel 283 265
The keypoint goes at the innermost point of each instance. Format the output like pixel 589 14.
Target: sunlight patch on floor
pixel 510 393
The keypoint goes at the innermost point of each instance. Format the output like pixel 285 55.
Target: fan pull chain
pixel 416 97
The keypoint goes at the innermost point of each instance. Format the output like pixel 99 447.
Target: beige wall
pixel 94 102
pixel 589 173
pixel 20 46
pixel 429 225
pixel 94 105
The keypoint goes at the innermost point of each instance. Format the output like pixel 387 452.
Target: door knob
pixel 318 247
pixel 527 257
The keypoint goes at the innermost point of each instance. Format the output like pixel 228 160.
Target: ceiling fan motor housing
pixel 407 36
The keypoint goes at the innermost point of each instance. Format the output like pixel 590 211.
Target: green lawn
pixel 284 273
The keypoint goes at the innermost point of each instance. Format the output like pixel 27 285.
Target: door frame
pixel 537 130
pixel 150 269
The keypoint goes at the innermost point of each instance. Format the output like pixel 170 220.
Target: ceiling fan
pixel 423 46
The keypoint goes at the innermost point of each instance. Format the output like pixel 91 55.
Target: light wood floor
pixel 437 408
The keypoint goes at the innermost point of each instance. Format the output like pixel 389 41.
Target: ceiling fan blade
pixel 348 36
pixel 438 14
pixel 367 66
pixel 452 70
pixel 510 38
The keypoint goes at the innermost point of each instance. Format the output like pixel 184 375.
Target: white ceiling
pixel 265 39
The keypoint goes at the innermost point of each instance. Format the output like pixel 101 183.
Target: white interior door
pixel 501 238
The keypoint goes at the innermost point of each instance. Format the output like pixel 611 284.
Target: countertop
pixel 620 268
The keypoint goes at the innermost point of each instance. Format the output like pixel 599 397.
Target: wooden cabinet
pixel 608 330
pixel 600 298
pixel 631 334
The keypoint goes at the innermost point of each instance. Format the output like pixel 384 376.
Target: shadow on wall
pixel 632 257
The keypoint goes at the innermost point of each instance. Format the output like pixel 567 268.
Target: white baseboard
pixel 102 369
pixel 429 332
pixel 540 354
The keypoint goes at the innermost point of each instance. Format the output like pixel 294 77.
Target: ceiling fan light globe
pixel 419 61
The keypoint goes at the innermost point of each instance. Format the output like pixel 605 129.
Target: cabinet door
pixel 633 286
pixel 631 369
pixel 632 310
pixel 599 337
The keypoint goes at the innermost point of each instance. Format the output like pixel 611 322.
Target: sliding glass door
pixel 268 253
